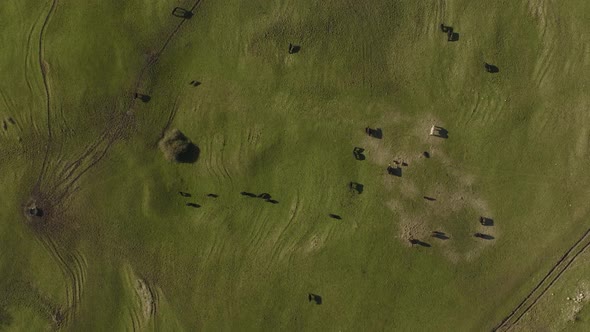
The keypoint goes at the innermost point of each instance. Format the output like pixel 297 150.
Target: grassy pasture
pixel 120 250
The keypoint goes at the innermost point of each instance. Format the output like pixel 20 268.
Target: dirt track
pixel 541 288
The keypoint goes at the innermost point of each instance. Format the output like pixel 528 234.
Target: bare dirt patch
pixel 147 302
pixel 433 198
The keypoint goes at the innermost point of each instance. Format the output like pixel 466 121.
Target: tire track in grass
pixel 43 67
pixel 72 276
pixel 72 265
pixel 543 286
pixel 28 52
pixel 280 246
pixel 213 169
pixel 223 163
pixel 219 160
pixel 541 10
pixel 98 149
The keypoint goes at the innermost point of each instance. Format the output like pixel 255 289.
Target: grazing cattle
pixel 358 153
pixel 394 170
pixel 491 68
pixel 182 13
pixel 357 187
pixel 375 133
pixel 294 48
pixel 314 298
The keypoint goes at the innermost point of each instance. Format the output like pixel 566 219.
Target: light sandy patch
pixel 413 229
pixel 453 199
pixel 146 298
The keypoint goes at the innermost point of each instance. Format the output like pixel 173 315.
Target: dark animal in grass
pixel 35 212
pixel 426 154
pixel 194 205
pixel 358 153
pixel 195 83
pixel 178 148
pixel 445 28
pixel 491 68
pixel 184 194
pixel 483 236
pixel 182 13
pixel 212 195
pixel 294 48
pixel 451 35
pixel 429 198
pixel 314 298
pixel 335 216
pixel 356 187
pixel 245 193
pixel 486 221
pixel 394 170
pixel 440 132
pixel 142 97
pixel 375 133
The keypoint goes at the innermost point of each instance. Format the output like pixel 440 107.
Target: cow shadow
pixel 245 193
pixel 184 194
pixel 440 235
pixel 335 216
pixel 483 236
pixel 491 68
pixel 420 243
pixel 212 195
pixel 193 205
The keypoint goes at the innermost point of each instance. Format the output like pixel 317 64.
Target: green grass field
pixel 118 249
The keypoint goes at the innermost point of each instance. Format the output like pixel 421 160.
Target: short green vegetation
pixel 269 100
